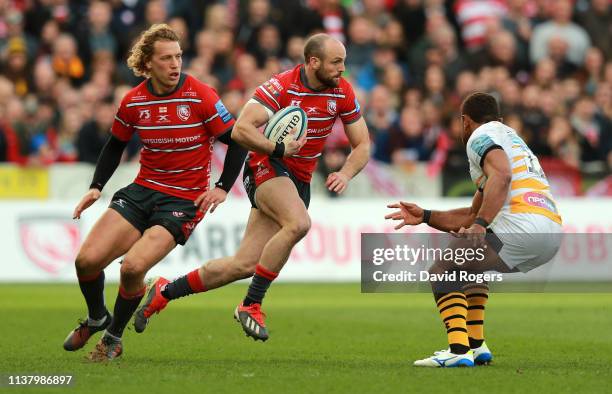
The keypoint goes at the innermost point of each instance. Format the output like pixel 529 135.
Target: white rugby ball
pixel 284 121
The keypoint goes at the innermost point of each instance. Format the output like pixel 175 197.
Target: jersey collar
pixel 177 87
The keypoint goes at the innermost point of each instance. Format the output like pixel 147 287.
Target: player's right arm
pixel 451 220
pixel 245 132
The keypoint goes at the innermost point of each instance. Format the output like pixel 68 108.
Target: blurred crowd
pixel 63 70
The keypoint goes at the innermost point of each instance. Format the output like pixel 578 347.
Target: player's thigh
pixel 111 237
pixel 279 199
pixel 151 248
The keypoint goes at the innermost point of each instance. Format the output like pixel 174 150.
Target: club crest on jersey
pixel 183 111
pixel 145 114
pixel 331 107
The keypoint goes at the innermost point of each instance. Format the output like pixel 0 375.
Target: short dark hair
pixel 481 107
pixel 313 47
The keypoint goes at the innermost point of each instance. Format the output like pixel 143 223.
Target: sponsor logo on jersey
pixel 163 118
pixel 190 93
pixel 261 171
pixel 276 83
pixel 271 88
pixel 539 200
pixel 183 111
pixel 311 110
pixel 138 98
pixel 331 107
pixel 224 114
pixel 145 114
pixel 295 103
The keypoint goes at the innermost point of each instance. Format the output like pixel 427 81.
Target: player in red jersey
pixel 177 119
pixel 276 178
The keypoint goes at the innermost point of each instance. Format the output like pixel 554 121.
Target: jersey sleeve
pixel 478 148
pixel 217 119
pixel 269 93
pixel 123 126
pixel 350 110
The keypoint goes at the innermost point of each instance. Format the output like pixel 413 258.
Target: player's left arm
pixel 359 138
pixel 499 176
pixel 219 123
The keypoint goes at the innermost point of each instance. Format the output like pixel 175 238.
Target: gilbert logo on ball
pixel 282 123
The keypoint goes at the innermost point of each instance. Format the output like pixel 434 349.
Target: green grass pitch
pixel 324 338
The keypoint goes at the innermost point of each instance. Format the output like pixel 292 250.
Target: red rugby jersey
pixel 177 131
pixel 322 107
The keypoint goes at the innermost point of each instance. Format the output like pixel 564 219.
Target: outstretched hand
pixel 337 182
pixel 210 199
pixel 410 214
pixel 88 199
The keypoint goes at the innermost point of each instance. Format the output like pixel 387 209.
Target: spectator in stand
pixel 44 80
pixel 394 81
pixel 405 143
pixel 294 53
pixel 594 131
pixel 374 10
pixel 247 76
pixel 96 35
pixel 361 46
pixel 593 70
pixel 392 35
pixel 411 16
pixel 380 114
pixel 474 17
pixel 545 73
pixel 257 14
pixel 16 66
pixel 500 50
pixel 66 63
pixel 93 134
pixel 49 34
pixel 268 44
pixel 224 57
pixel 15 30
pixel 334 18
pixel 561 26
pixel 435 86
pixel 597 21
pixel 518 22
pixel 562 141
pixel 603 99
pixel 68 130
pixel 535 123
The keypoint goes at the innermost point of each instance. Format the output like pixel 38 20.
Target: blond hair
pixel 142 51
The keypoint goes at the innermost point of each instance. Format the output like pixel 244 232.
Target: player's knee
pixel 131 270
pixel 87 262
pixel 298 228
